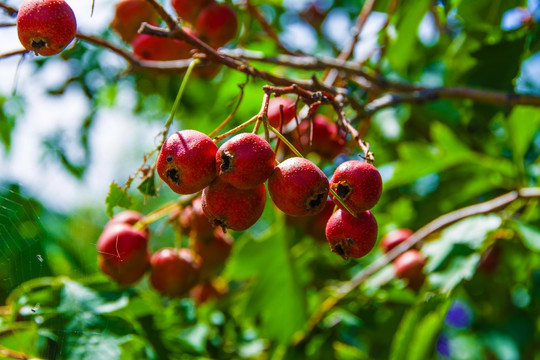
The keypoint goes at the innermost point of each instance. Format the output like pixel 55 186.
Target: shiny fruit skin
pixel 123 252
pixel 274 113
pixel 157 48
pixel 409 266
pixel 324 137
pixel 174 271
pixel 187 161
pixel 188 10
pixel 233 208
pixel 351 237
pixel 358 183
pixel 46 27
pixel 245 161
pixel 214 250
pixel 217 25
pixel 298 187
pixel 129 15
pixel 394 238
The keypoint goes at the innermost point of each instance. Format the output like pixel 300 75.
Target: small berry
pixel 320 136
pixel 394 238
pixel 128 217
pixel 409 266
pixel 192 220
pixel 46 27
pixel 174 271
pixel 123 253
pixel 129 15
pixel 188 10
pixel 217 25
pixel 157 48
pixel 274 113
pixel 245 161
pixel 214 251
pixel 233 208
pixel 298 187
pixel 187 161
pixel 351 237
pixel 204 292
pixel 358 183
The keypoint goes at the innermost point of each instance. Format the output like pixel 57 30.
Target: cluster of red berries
pixel 124 255
pixel 409 265
pixel 232 179
pixel 216 24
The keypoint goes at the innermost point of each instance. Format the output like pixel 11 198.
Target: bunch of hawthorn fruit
pixel 231 177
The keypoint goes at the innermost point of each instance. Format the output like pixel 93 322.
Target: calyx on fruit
pixel 187 161
pixel 351 237
pixel 46 27
pixel 298 187
pixel 245 161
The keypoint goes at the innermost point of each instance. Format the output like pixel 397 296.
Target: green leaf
pixel 460 268
pixel 148 186
pixel 470 232
pixel 485 14
pixel 523 123
pixel 195 337
pixel 530 235
pixel 417 333
pixel 117 197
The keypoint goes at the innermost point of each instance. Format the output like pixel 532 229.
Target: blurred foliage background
pixel 435 157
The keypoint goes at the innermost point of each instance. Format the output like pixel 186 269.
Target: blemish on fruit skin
pixel 225 165
pixel 343 189
pixel 169 158
pixel 174 175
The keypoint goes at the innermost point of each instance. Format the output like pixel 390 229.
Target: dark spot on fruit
pixel 343 190
pixel 339 250
pixel 173 174
pixel 220 223
pixel 225 162
pixel 38 44
pixel 169 158
pixel 316 201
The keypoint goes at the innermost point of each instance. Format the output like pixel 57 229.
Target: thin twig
pixel 428 229
pixel 13 53
pixel 11 11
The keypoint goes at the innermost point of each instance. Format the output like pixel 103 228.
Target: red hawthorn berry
pixel 298 187
pixel 358 183
pixel 233 208
pixel 394 238
pixel 204 292
pixel 351 237
pixel 187 161
pixel 217 25
pixel 193 221
pixel 128 217
pixel 409 266
pixel 46 27
pixel 320 136
pixel 188 10
pixel 174 271
pixel 129 15
pixel 123 253
pixel 214 250
pixel 274 113
pixel 157 48
pixel 245 161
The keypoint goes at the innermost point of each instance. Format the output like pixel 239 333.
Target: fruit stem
pixel 282 138
pixel 340 200
pixel 236 129
pixel 179 97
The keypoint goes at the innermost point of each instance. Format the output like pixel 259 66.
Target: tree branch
pixel 428 229
pixel 11 11
pixel 13 53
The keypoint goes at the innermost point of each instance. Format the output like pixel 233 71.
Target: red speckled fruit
pixel 214 251
pixel 193 221
pixel 349 236
pixel 148 47
pixel 217 25
pixel 274 114
pixel 187 161
pixel 129 15
pixel 46 27
pixel 409 266
pixel 358 183
pixel 233 208
pixel 188 10
pixel 298 187
pixel 123 253
pixel 245 161
pixel 324 137
pixel 394 238
pixel 174 271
